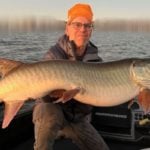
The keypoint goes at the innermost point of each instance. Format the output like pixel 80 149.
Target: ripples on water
pixel 112 45
pixel 119 45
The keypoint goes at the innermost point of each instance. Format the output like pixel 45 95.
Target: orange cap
pixel 79 10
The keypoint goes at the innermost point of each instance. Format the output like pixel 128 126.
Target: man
pixel 69 120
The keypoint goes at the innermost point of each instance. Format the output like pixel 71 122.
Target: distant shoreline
pixel 44 24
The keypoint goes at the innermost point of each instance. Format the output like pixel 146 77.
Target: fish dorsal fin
pixel 10 111
pixel 6 65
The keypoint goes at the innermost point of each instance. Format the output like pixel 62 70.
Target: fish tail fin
pixel 10 111
pixel 6 65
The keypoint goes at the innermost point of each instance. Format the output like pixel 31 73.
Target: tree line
pixel 32 24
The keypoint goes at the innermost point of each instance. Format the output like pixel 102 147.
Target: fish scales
pixel 87 76
pixel 97 84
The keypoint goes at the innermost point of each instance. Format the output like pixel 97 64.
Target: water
pixel 32 46
pixel 119 45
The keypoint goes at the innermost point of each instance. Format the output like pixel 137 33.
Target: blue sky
pixel 58 8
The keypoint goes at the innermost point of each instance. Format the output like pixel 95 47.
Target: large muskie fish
pixel 98 84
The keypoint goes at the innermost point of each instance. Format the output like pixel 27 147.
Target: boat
pixel 118 125
pixel 133 124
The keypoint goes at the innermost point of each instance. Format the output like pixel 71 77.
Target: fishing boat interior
pixel 128 129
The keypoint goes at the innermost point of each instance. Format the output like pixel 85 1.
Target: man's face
pixel 79 30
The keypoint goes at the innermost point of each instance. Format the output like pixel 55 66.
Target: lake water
pixel 31 46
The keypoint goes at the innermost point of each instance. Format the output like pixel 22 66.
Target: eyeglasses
pixel 78 25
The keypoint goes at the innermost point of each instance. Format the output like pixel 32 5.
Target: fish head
pixel 141 72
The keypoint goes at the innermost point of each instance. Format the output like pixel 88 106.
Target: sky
pixel 103 9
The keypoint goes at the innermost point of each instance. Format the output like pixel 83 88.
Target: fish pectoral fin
pixel 144 100
pixel 6 65
pixel 10 111
pixel 68 95
pixel 57 93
